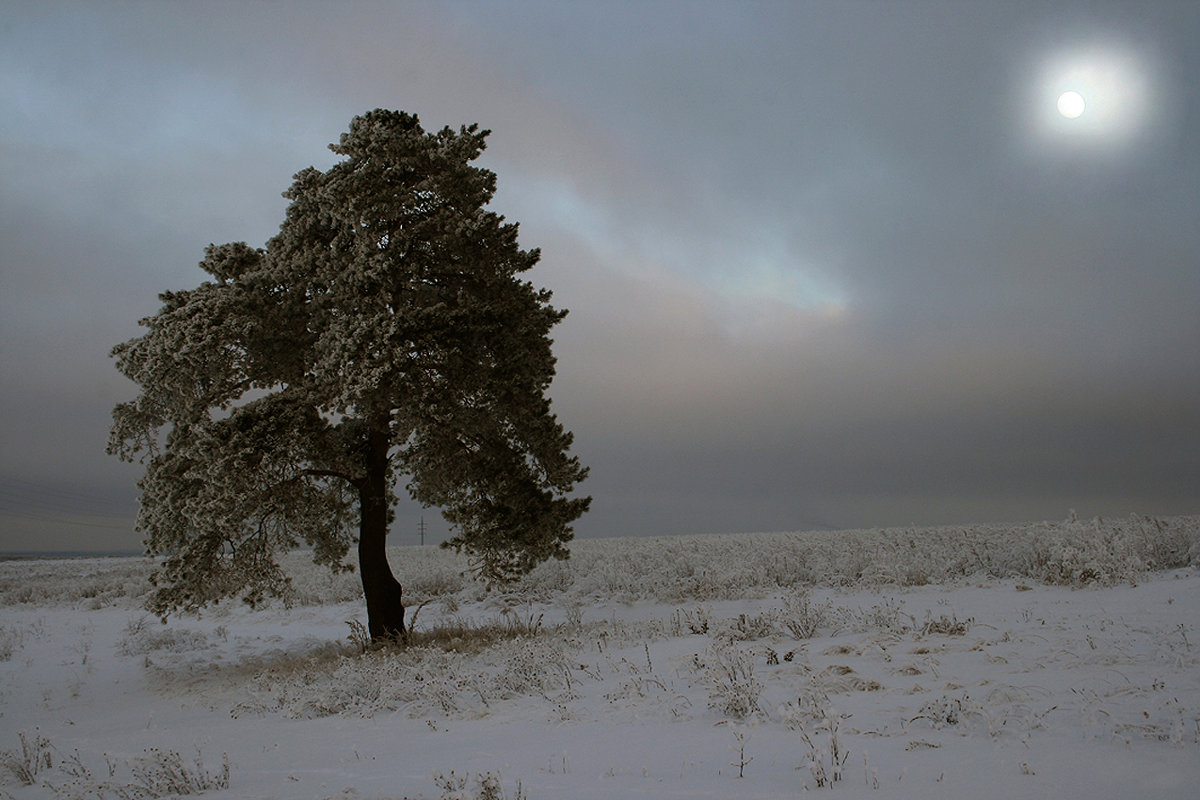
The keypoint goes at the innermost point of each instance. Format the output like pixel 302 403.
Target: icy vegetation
pixel 729 567
pixel 988 661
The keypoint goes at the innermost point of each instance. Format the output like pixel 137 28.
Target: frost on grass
pixel 728 673
pixel 144 635
pixel 703 568
pixel 462 674
pixel 818 725
pixel 802 616
pixel 154 774
pixel 714 568
pixel 13 637
pixel 92 583
pixel 485 786
pixel 820 646
pixel 33 758
pixel 948 710
pixel 461 669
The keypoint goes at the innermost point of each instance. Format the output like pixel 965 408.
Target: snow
pixel 973 687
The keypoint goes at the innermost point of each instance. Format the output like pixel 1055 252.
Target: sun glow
pixel 1098 96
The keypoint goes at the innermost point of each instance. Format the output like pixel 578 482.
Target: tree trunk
pixel 385 612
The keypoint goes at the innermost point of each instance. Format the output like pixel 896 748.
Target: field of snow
pixel 1025 661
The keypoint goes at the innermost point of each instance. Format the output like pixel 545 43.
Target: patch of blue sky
pixel 765 276
pixel 739 268
pixel 553 201
pixel 123 108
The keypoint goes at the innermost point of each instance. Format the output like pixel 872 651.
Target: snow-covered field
pixel 1052 660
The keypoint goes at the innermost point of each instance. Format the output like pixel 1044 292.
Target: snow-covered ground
pixel 639 669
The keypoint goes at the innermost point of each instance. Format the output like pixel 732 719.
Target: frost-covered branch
pixel 382 334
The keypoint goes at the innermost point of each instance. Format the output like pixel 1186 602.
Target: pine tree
pixel 383 334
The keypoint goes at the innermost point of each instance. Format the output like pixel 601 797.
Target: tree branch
pixel 331 473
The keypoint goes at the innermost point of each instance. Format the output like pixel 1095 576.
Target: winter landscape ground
pixel 1045 660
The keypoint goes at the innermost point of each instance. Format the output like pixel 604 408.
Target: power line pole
pixel 421 528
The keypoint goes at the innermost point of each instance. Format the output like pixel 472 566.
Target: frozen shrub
pixel 819 728
pixel 436 582
pixel 11 640
pixel 1107 552
pixel 487 787
pixel 747 628
pixel 695 620
pixel 33 758
pixel 455 669
pixel 358 638
pixel 1072 564
pixel 311 584
pixel 945 625
pixel 552 577
pixel 728 672
pixel 143 636
pixel 164 773
pixel 531 667
pixel 1168 545
pixel 948 710
pixel 825 755
pixel 802 616
pixel 154 774
pixel 87 582
pixel 701 568
pixel 887 617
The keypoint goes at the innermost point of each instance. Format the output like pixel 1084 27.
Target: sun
pixel 1093 97
pixel 1071 104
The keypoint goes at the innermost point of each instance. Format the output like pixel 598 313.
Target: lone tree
pixel 382 334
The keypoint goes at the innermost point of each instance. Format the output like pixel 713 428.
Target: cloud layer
pixel 827 264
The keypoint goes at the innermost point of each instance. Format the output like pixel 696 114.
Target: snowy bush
pixel 154 774
pixel 1166 545
pixel 486 787
pixel 724 567
pixel 947 625
pixel 802 616
pixel 747 627
pixel 32 759
pixel 728 673
pixel 455 669
pixel 99 581
pixel 529 667
pixel 701 568
pixel 144 635
pixel 12 639
pixel 694 620
pixel 948 710
pixel 886 616
pixel 825 755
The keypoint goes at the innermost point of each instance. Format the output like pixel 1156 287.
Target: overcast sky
pixel 829 264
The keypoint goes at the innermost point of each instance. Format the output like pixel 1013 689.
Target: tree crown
pixel 383 332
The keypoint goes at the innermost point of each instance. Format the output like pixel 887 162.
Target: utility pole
pixel 421 528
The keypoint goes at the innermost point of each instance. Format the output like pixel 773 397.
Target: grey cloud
pixel 821 271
